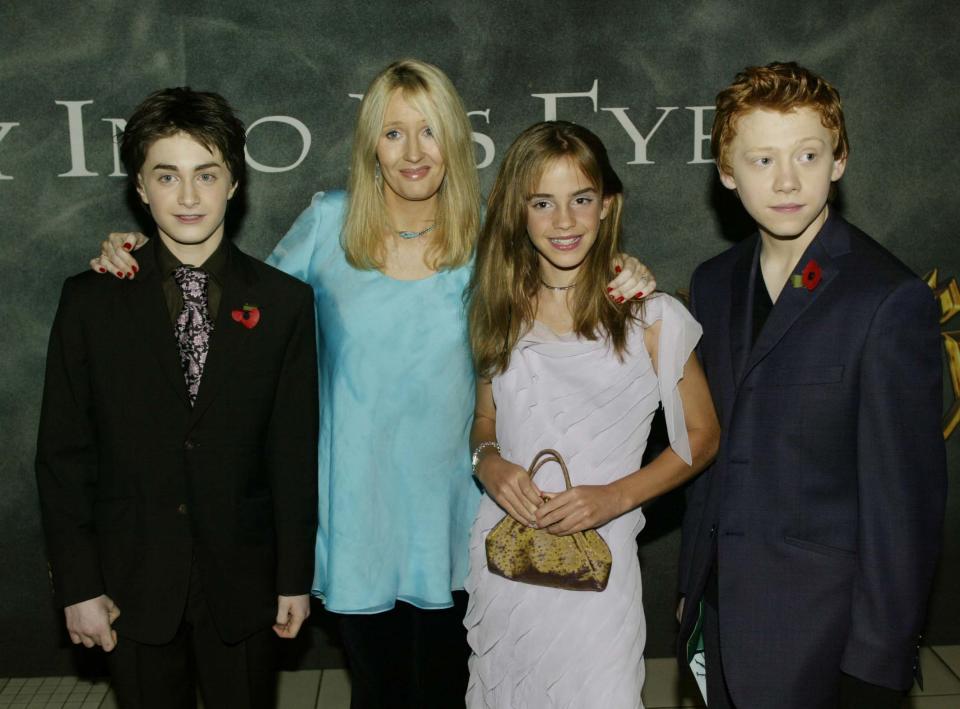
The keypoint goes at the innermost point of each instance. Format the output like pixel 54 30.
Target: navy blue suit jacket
pixel 824 508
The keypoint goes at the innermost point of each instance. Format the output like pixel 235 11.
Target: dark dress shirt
pixel 215 266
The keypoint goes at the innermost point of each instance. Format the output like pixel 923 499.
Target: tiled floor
pixel 53 692
pixel 330 689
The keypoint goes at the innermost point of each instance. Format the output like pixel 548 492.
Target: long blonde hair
pixel 506 277
pixel 458 212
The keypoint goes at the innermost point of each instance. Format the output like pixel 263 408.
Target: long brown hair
pixel 458 210
pixel 506 277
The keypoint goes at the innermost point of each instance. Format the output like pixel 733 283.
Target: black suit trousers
pixel 229 675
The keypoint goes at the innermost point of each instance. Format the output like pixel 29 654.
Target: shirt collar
pixel 215 265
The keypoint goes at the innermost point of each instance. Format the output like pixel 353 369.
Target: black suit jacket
pixel 134 482
pixel 824 507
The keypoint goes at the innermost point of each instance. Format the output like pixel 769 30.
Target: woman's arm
pixel 508 484
pixel 590 506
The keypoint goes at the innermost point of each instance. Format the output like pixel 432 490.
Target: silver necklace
pixel 415 234
pixel 557 289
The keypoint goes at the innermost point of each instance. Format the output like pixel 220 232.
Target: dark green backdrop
pixel 895 63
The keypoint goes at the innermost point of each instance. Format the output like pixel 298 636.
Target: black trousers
pixel 854 693
pixel 407 657
pixel 229 676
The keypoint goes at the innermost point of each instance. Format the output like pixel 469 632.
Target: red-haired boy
pixel 809 546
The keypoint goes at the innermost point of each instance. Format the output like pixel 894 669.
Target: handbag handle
pixel 545 456
pixel 548 455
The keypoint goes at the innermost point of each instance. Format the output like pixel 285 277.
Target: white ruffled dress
pixel 536 647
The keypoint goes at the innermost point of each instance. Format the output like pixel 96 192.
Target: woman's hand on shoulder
pixel 580 508
pixel 632 280
pixel 115 257
pixel 511 487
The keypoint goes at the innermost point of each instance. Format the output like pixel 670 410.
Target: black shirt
pixel 762 305
pixel 215 266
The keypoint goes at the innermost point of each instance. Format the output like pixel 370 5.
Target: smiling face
pixel 782 166
pixel 187 188
pixel 563 217
pixel 410 158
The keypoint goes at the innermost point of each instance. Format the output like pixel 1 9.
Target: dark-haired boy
pixel 179 498
pixel 812 540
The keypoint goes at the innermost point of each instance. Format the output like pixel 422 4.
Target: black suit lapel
pixel 151 321
pixel 794 301
pixel 742 283
pixel 228 335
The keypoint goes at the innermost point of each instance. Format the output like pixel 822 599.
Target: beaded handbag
pixel 576 562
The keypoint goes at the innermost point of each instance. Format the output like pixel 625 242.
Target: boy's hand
pixel 633 280
pixel 89 622
pixel 115 257
pixel 291 612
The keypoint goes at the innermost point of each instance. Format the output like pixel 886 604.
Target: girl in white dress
pixel 562 367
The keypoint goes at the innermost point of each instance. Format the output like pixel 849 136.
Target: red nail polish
pixel 102 269
pixel 137 270
pixel 620 299
pixel 609 290
pixel 639 295
pixel 129 275
pixel 617 269
pixel 119 274
pixel 128 247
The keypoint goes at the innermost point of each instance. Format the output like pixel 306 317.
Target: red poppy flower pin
pixel 248 316
pixel 809 277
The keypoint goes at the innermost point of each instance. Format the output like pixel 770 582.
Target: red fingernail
pixel 128 246
pixel 137 270
pixel 620 299
pixel 609 290
pixel 102 269
pixel 617 269
pixel 639 295
pixel 119 274
pixel 129 275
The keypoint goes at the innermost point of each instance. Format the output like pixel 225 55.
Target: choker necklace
pixel 557 289
pixel 415 234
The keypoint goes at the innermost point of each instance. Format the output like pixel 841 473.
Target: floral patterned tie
pixel 193 326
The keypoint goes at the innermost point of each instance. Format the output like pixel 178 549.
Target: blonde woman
pixel 562 367
pixel 389 261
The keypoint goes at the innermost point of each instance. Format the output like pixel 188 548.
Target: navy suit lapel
pixel 794 301
pixel 149 317
pixel 228 335
pixel 742 282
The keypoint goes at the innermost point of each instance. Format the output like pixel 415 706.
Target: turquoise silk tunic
pixel 396 403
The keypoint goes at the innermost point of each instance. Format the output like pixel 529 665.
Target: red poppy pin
pixel 809 277
pixel 248 316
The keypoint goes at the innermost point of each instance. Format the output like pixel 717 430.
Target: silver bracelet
pixel 476 453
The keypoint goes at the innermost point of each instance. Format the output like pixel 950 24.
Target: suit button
pixel 181 509
pixel 713 531
pixel 189 444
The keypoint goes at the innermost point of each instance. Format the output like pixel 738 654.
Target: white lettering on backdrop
pixel 640 136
